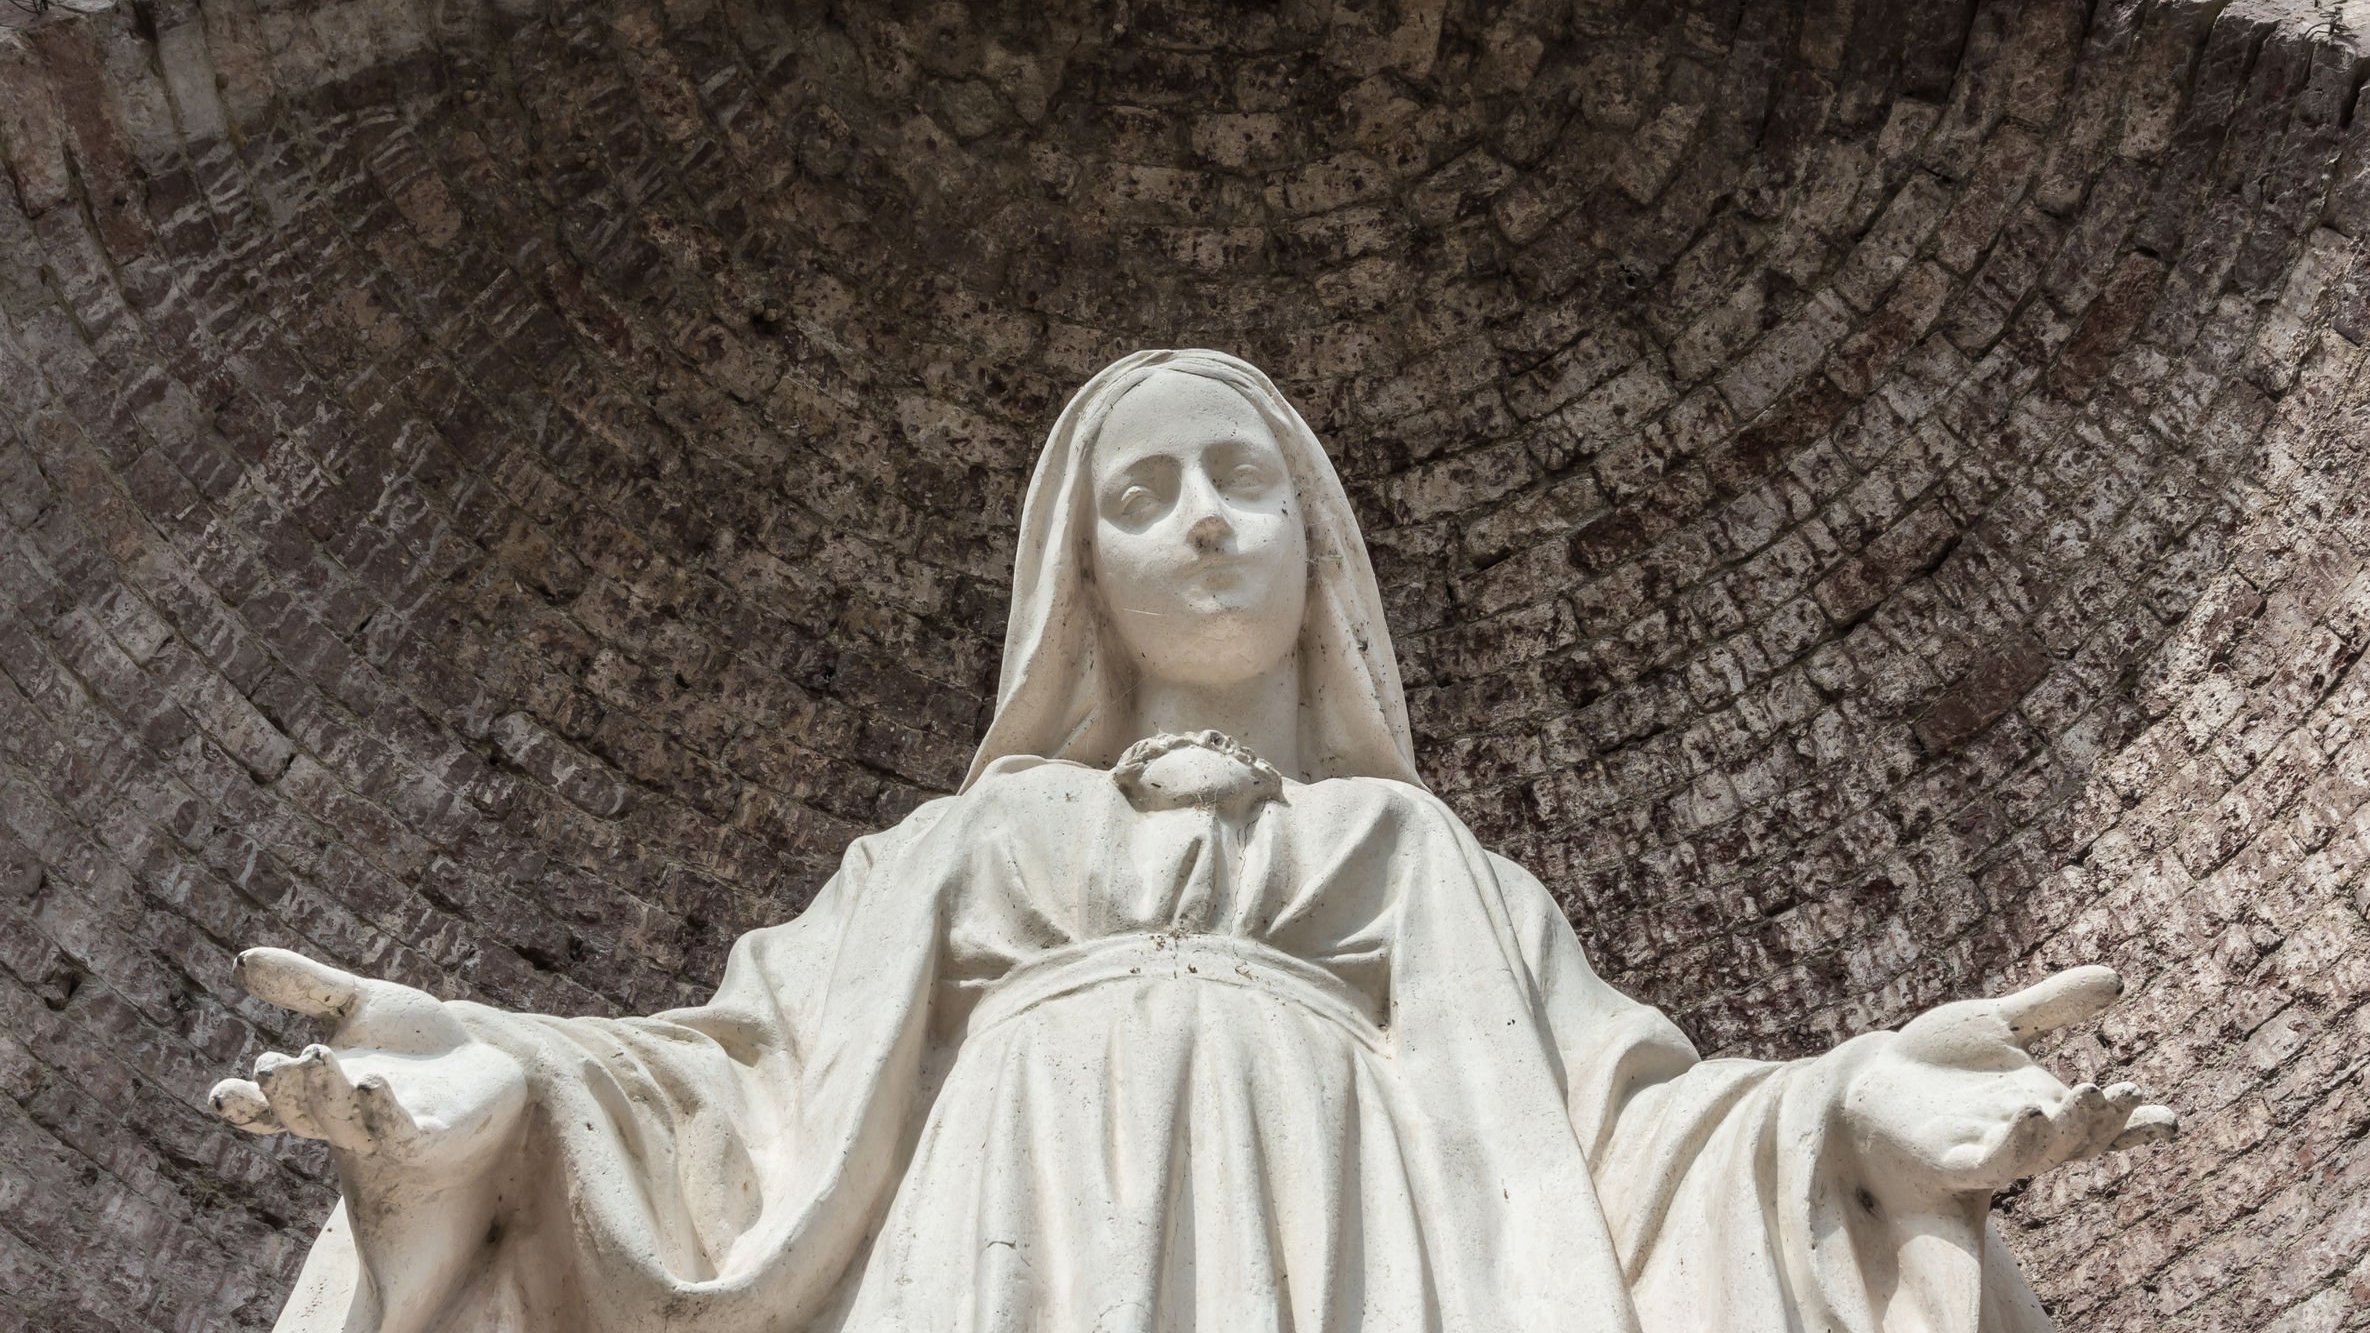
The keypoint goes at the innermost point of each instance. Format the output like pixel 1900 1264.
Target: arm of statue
pixel 1851 1190
pixel 422 1120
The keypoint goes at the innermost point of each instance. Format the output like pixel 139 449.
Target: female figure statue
pixel 1192 1009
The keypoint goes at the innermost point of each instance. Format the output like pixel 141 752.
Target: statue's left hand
pixel 1955 1104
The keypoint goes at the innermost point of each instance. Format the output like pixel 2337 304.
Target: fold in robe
pixel 1039 1059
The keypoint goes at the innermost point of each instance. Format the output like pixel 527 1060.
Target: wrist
pixel 421 1229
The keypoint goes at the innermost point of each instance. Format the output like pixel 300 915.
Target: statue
pixel 1191 1009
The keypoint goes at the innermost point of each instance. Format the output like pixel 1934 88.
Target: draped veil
pixel 1062 692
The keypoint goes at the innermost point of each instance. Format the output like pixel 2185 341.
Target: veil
pixel 1062 694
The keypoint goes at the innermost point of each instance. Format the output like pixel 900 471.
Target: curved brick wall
pixel 1871 497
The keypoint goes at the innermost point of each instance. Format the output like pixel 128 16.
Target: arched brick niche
pixel 1871 499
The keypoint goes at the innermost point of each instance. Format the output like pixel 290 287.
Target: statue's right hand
pixel 400 1087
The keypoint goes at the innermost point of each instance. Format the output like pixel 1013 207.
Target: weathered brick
pixel 1870 501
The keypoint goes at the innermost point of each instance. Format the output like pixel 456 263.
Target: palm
pixel 1956 1103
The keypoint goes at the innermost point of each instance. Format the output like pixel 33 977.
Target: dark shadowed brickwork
pixel 1871 496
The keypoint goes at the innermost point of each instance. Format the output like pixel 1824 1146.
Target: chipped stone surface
pixel 1870 499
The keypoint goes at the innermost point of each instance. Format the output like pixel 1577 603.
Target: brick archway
pixel 1870 498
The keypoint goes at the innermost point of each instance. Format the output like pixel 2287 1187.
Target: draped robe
pixel 1052 1054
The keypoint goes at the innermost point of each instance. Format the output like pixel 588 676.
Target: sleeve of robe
pixel 714 1168
pixel 1729 1188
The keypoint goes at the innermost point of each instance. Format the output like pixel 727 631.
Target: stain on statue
pixel 1192 1009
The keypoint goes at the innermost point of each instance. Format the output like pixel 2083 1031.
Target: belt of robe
pixel 1224 960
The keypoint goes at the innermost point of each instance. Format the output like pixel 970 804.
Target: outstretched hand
pixel 417 1113
pixel 400 1077
pixel 1955 1103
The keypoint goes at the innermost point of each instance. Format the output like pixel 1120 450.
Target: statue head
pixel 1198 557
pixel 1184 522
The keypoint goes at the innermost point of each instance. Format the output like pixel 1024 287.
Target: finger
pixel 330 1099
pixel 2108 1122
pixel 283 1085
pixel 2075 995
pixel 2069 1124
pixel 297 983
pixel 310 1095
pixel 244 1105
pixel 2092 1120
pixel 2013 1148
pixel 385 1119
pixel 2148 1124
pixel 2046 1133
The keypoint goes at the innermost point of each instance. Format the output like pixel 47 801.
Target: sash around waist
pixel 1226 960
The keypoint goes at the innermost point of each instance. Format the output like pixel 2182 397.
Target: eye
pixel 1245 478
pixel 1136 502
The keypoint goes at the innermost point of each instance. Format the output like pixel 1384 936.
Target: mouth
pixel 1220 570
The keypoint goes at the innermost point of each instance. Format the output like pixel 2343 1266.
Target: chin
pixel 1208 657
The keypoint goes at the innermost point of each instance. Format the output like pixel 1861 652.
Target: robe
pixel 1059 1054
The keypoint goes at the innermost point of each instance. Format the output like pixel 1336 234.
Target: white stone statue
pixel 1193 1009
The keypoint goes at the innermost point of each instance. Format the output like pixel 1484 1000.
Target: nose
pixel 1209 533
pixel 1208 529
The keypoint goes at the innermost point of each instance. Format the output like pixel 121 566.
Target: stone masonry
pixel 1871 496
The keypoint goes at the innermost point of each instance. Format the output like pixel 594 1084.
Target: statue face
pixel 1200 560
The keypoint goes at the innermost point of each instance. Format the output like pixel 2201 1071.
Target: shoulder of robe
pixel 1028 783
pixel 1424 809
pixel 1014 776
pixel 871 865
pixel 1419 806
pixel 1517 877
pixel 1533 903
pixel 882 844
pixel 1367 789
pixel 1016 791
pixel 1406 814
